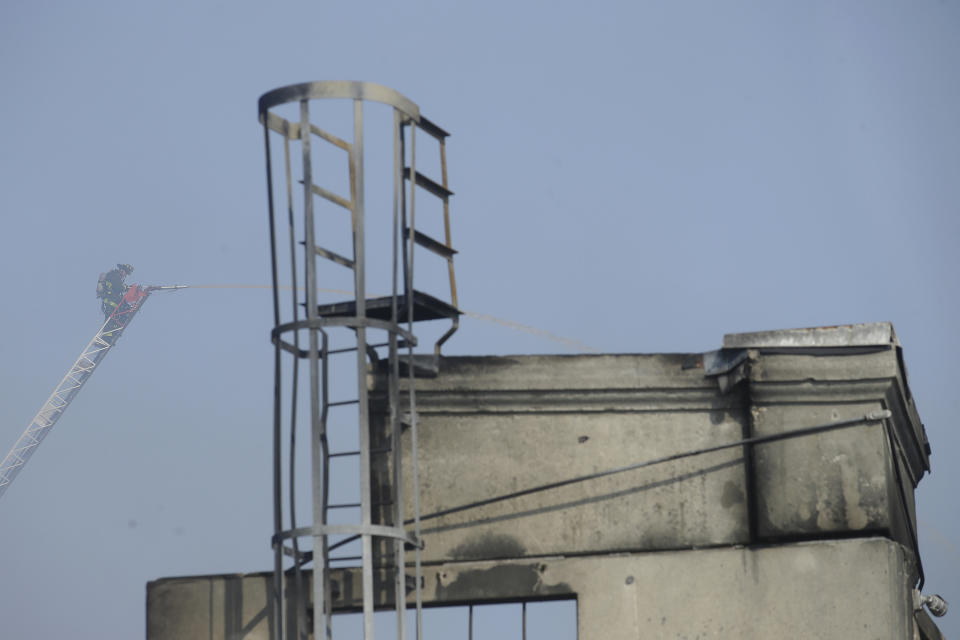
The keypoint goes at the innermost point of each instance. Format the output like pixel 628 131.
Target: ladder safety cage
pixel 375 523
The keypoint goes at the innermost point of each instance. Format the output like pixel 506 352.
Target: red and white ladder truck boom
pixel 77 376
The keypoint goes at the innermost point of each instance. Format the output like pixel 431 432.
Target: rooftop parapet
pixel 514 450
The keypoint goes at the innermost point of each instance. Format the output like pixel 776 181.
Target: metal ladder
pixel 440 190
pixel 376 522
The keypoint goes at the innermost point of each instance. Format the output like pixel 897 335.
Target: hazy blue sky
pixel 638 176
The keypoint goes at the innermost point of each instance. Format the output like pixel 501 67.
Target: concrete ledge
pixel 855 588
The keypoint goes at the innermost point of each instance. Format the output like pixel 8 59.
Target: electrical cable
pixel 895 450
pixel 870 418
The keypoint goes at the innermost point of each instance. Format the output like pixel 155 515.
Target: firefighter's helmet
pixel 128 268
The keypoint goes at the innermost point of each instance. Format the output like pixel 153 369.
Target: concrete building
pixel 762 490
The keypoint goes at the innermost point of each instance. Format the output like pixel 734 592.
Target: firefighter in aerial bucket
pixel 111 287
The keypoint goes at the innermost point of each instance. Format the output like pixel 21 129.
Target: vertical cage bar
pixel 413 221
pixel 300 605
pixel 363 404
pixel 394 392
pixel 277 583
pixel 523 623
pixel 446 221
pixel 316 427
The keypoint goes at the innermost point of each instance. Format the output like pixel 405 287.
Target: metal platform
pixel 425 307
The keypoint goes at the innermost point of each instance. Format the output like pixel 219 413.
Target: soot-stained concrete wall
pixel 805 537
pixel 495 426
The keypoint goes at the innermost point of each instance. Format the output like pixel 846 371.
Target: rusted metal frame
pixel 277 595
pixel 300 621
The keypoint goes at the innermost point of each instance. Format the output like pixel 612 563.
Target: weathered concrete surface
pixel 629 546
pixel 838 589
pixel 493 426
pixel 209 607
pixel 851 481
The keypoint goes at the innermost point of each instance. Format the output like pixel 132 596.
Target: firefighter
pixel 111 287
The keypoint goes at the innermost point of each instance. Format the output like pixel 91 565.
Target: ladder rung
pixel 331 196
pixel 341 454
pixel 432 129
pixel 345 558
pixel 341 403
pixel 331 352
pixel 424 240
pixel 435 188
pixel 345 505
pixel 329 137
pixel 336 257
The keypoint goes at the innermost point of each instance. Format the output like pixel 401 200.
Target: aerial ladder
pixel 77 376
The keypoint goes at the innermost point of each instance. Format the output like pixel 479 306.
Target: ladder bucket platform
pixel 425 307
pixel 91 357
